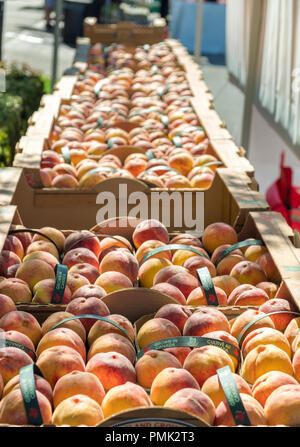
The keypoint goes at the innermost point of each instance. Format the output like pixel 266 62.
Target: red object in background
pixel 283 197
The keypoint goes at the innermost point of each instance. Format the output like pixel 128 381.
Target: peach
pixel 12 409
pixel 44 256
pixel 295 344
pixel 57 361
pixel 6 304
pixel 194 263
pixel 225 266
pixel 11 271
pixel 185 282
pixel 122 262
pixel 54 234
pixel 226 283
pixel 197 297
pixel 296 364
pixel 104 327
pixel 11 360
pixel 8 259
pixel 124 397
pixel 175 313
pixel 204 362
pixel 151 363
pixel 250 315
pixel 43 245
pixel 90 306
pixel 80 255
pixel 89 291
pixel 213 388
pixel 292 329
pixel 156 329
pixel 33 271
pixel 181 255
pixel 168 381
pixel 112 369
pixel 171 291
pixel 43 292
pixel 265 261
pixel 18 337
pixel 77 410
pixel 180 353
pixel 225 336
pixel 253 297
pixel 113 281
pixel 150 229
pixel 24 322
pixel 217 234
pixel 182 162
pixel 24 236
pixel 265 358
pixel 85 239
pixel 253 409
pixel 264 386
pixel 78 382
pixel 247 272
pixel 216 255
pixel 12 243
pixel 149 245
pixel 269 287
pixel 282 406
pixel 41 385
pixel 113 342
pixel 65 181
pixel 47 175
pixel 202 180
pixel 135 166
pixel 149 269
pixel 56 318
pixel 187 239
pixel 265 336
pixel 115 242
pixel 253 252
pixel 240 289
pixel 61 336
pixel 90 272
pixel 75 281
pixel 177 181
pixel 167 272
pixel 206 319
pixel 194 402
pixel 280 320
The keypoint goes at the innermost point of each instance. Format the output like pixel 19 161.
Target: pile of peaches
pixel 172 149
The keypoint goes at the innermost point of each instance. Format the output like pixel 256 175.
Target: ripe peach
pixel 171 291
pixel 282 406
pixel 12 243
pixel 156 329
pixel 18 337
pixel 187 239
pixel 265 336
pixel 54 234
pixel 25 237
pixel 65 181
pixel 242 320
pixel 90 272
pixel 151 363
pixel 85 239
pixel 8 259
pixel 253 409
pixel 149 269
pixel 280 320
pixel 77 410
pixel 197 297
pixel 296 364
pixel 247 272
pixel 175 313
pixel 292 329
pixel 269 287
pixel 113 342
pixel 89 291
pixel 61 336
pixel 135 166
pixel 264 386
pixel 252 297
pixel 90 306
pixel 80 255
pixel 111 368
pixel 103 327
pixel 124 397
pixel 217 234
pixel 194 263
pixel 75 281
pixel 167 272
pixel 177 181
pixel 183 162
pixel 180 353
pixel 57 361
pixel 57 317
pixel 168 381
pixel 265 358
pixel 225 266
pixel 120 261
pixel 194 402
pixel 202 180
pixel 6 304
pixel 11 360
pixel 44 256
pixel 225 336
pixel 213 388
pixel 206 319
pixel 43 292
pixel 226 283
pixel 253 252
pixel 24 322
pixel 78 382
pixel 33 271
pixel 12 409
pixel 43 245
pixel 203 362
pixel 238 291
pixel 150 229
pixel 41 385
pixel 113 281
pixel 265 261
pixel 216 255
pixel 185 282
pixel 148 246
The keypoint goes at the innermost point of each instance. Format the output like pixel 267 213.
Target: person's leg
pixel 49 6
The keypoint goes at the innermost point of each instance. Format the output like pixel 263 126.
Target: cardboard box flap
pixel 122 226
pixel 9 179
pixel 120 187
pixel 8 215
pixel 153 417
pixel 136 302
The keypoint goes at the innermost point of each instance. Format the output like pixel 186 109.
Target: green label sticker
pixel 189 129
pixel 236 246
pixel 161 91
pixel 110 144
pixel 208 286
pixel 146 47
pixel 154 69
pixel 146 111
pixel 65 151
pixel 13 344
pixel 27 385
pixel 233 397
pixel 190 342
pixel 60 283
pixel 165 120
pixel 99 122
pixel 212 163
pixel 168 247
pixel 150 155
pixel 177 141
pixel 103 169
